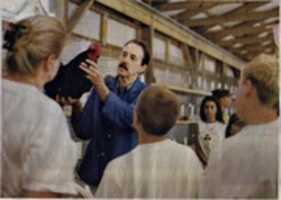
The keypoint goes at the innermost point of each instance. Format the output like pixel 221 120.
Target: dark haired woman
pixel 211 128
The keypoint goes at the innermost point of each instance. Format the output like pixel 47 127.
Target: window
pixel 118 33
pixel 229 72
pixel 176 55
pixel 159 48
pixel 89 25
pixel 209 64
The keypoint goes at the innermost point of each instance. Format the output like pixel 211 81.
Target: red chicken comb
pixel 94 51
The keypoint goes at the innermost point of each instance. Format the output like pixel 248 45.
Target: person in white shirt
pixel 211 128
pixel 248 165
pixel 157 167
pixel 38 156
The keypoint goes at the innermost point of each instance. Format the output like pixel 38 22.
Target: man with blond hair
pixel 248 163
pixel 157 167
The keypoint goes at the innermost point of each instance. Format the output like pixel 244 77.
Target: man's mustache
pixel 123 65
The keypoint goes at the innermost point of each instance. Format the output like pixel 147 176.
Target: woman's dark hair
pixel 233 120
pixel 146 53
pixel 219 111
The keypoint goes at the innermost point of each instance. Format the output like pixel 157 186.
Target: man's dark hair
pixel 220 93
pixel 157 110
pixel 146 53
pixel 219 111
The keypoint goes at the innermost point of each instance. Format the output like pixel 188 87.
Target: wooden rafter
pixel 187 55
pixel 246 7
pixel 246 40
pixel 236 17
pixel 78 14
pixel 175 6
pixel 239 30
pixel 252 48
pixel 252 54
pixel 191 12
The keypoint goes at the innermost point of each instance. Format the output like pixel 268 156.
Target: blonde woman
pixel 38 155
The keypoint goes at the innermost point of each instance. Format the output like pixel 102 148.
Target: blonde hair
pixel 34 40
pixel 263 72
pixel 157 110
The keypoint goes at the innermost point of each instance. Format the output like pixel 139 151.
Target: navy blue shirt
pixel 108 126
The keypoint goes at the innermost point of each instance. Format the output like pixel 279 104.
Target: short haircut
pixel 146 53
pixel 263 72
pixel 220 93
pixel 203 116
pixel 157 110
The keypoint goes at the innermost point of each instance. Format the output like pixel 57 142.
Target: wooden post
pixel 104 29
pixel 147 37
pixel 78 14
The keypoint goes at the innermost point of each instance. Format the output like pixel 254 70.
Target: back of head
pixel 31 41
pixel 157 110
pixel 263 72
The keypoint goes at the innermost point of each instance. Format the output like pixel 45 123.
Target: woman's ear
pixel 48 63
pixel 51 66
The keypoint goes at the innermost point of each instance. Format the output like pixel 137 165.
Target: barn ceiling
pixel 243 27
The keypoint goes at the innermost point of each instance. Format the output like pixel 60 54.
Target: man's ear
pixel 135 119
pixel 249 88
pixel 142 69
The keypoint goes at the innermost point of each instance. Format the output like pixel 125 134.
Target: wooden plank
pixel 61 11
pixel 148 16
pixel 236 17
pixel 174 6
pixel 252 48
pixel 245 8
pixel 248 31
pixel 228 1
pixel 185 15
pixel 147 36
pixel 104 29
pixel 186 122
pixel 78 14
pixel 239 30
pixel 246 40
pixel 187 56
pixel 188 91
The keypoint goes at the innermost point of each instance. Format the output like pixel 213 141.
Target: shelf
pixel 189 91
pixel 185 122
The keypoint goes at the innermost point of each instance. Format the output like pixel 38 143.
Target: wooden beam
pixel 104 29
pixel 174 6
pixel 61 11
pixel 252 48
pixel 185 15
pixel 246 40
pixel 78 14
pixel 147 36
pixel 236 17
pixel 239 30
pixel 187 55
pixel 149 17
pixel 246 7
pixel 248 31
